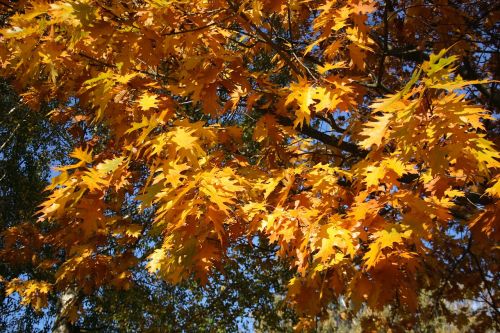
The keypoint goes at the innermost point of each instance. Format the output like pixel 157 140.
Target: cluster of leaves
pixel 250 292
pixel 290 121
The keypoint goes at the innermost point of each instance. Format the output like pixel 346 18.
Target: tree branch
pixel 198 28
pixel 268 39
pixel 323 137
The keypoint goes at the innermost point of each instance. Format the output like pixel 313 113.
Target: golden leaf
pixel 375 131
pixel 148 101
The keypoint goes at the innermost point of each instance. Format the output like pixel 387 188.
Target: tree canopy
pixel 355 142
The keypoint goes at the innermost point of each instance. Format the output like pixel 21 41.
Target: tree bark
pixel 67 299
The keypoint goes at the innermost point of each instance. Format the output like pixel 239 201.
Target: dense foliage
pixel 352 142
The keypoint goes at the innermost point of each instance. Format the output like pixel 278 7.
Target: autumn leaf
pixel 148 101
pixel 384 239
pixel 375 131
pixel 302 94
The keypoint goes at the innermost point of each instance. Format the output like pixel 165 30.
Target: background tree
pixel 341 132
pixel 30 144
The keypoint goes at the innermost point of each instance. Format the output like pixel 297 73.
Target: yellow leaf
pixel 155 260
pixel 82 155
pixel 133 230
pixel 124 79
pixel 375 131
pixel 94 181
pixel 395 165
pixel 330 66
pixel 383 239
pixel 457 84
pixel 494 190
pixel 373 175
pixel 148 101
pixel 184 138
pixel 302 93
pixel 485 153
pixel 110 165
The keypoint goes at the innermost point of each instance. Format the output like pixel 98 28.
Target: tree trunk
pixel 67 299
